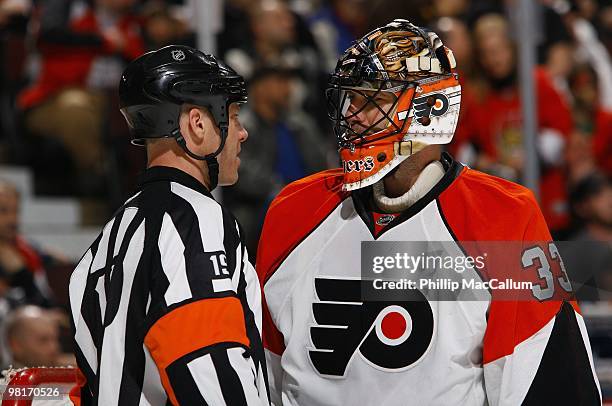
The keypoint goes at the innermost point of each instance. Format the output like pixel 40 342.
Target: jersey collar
pixel 365 207
pixel 168 174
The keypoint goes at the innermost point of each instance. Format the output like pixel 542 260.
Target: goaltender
pixel 395 98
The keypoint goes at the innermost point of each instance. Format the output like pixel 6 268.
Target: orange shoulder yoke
pixel 295 212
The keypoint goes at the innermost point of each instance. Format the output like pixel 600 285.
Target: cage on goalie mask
pixel 405 76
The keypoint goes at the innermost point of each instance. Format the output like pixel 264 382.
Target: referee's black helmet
pixel 154 87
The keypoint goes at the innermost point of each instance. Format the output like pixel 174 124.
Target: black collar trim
pixel 364 205
pixel 165 173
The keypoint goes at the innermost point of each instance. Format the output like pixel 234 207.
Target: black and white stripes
pixel 166 306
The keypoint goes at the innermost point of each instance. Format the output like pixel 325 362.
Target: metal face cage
pixel 339 100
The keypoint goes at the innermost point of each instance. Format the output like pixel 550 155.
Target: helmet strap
pixel 213 170
pixel 210 159
pixel 408 147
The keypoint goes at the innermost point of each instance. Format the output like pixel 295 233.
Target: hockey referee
pixel 166 307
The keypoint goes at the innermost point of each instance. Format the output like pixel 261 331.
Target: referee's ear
pixel 199 130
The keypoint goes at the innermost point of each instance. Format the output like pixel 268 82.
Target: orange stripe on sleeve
pixel 191 327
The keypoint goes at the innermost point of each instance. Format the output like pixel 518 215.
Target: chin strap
pixel 210 159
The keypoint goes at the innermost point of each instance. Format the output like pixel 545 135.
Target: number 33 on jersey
pixel 326 345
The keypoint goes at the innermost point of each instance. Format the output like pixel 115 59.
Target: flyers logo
pixel 390 336
pixel 431 105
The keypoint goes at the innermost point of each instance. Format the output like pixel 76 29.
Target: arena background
pixel 67 164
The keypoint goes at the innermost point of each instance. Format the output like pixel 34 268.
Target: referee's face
pixel 229 162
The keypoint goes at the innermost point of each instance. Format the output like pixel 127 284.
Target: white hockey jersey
pixel 326 345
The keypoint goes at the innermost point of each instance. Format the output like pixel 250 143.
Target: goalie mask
pixel 393 92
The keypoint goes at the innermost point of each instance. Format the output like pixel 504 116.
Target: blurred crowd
pixel 60 63
pixel 33 322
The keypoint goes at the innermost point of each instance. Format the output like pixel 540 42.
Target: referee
pixel 166 307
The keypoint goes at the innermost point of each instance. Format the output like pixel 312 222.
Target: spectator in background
pixel 455 33
pixel 32 339
pixel 274 41
pixel 162 28
pixel 558 59
pixel 83 49
pixel 602 141
pixel 592 202
pixel 592 90
pixel 11 9
pixel 494 125
pixel 285 144
pixel 279 37
pixel 336 25
pixel 22 276
pixel 455 9
pixel 589 257
pixel 14 15
pixel 450 8
pixel 236 30
pixel 604 24
pixel 586 9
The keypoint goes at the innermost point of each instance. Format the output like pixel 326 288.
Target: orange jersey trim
pixel 298 209
pixel 480 207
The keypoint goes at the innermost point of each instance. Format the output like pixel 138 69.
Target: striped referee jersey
pixel 166 308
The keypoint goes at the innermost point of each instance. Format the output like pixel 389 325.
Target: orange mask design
pixel 412 64
pixel 436 103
